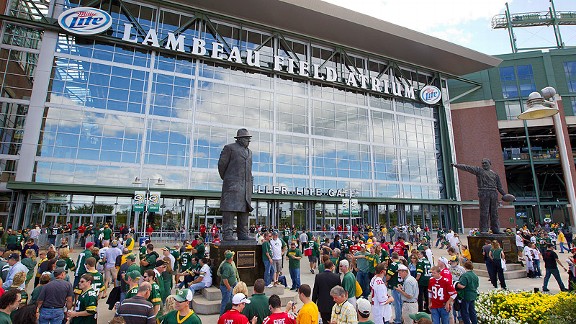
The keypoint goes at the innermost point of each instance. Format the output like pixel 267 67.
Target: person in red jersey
pixel 444 270
pixel 234 316
pixel 400 246
pixel 277 315
pixel 441 294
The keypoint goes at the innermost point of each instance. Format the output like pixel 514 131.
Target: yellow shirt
pixel 466 254
pixel 308 314
pixel 561 238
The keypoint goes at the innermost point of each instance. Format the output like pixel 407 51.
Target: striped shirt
pixel 137 310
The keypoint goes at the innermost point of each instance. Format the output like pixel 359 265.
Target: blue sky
pixel 467 22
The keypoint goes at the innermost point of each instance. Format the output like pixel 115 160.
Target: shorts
pixel 312 258
pixel 277 265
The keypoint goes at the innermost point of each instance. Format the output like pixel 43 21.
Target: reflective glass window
pixel 570 72
pixel 168 143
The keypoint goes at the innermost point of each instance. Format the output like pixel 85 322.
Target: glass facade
pixel 113 111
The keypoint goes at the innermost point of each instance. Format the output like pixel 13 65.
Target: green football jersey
pixel 185 261
pixel 98 283
pixel 87 301
pixel 131 292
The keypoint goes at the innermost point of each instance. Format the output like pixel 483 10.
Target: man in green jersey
pixel 106 234
pixel 85 310
pixel 182 313
pixel 185 264
pixel 98 282
pixel 228 279
pixel 294 255
pixel 132 279
pixel 348 281
pixel 80 268
pixel 149 259
pixel 423 277
pixel 143 249
pixel 155 296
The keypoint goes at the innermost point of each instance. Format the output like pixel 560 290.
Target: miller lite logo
pixel 85 21
pixel 430 94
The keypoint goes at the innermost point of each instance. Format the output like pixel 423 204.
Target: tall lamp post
pixel 144 200
pixel 542 106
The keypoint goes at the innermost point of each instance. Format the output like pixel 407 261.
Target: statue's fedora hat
pixel 242 132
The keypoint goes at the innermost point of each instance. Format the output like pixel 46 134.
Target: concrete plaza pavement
pixel 105 315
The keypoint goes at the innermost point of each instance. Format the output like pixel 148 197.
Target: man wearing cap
pixel 128 266
pixel 409 291
pixel 15 267
pixel 348 281
pixel 363 308
pixel 85 309
pixel 110 256
pixel 456 270
pixel 53 297
pixel 158 270
pixel 132 279
pixel 166 254
pixel 235 169
pixel 443 266
pixel 80 269
pixel 234 316
pixel 421 318
pixel 185 264
pixel 137 309
pixel 182 313
pixel 228 279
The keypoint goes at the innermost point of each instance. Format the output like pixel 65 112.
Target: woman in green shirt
pixel 497 255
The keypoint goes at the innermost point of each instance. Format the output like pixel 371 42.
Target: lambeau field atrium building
pixel 350 115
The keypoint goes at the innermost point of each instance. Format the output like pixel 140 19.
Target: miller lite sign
pixel 85 21
pixel 430 94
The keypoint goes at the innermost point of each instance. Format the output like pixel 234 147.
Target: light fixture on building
pixel 539 105
pixel 542 106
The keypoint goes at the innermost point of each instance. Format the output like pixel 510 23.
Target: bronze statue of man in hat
pixel 235 168
pixel 489 186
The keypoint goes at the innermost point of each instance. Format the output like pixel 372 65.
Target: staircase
pixel 208 303
pixel 513 271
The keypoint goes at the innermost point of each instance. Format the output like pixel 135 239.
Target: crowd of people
pixel 388 274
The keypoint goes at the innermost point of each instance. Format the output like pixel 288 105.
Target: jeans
pixel 537 267
pixel 562 248
pixel 268 272
pixel 468 312
pixel 491 272
pixel 226 297
pixel 423 298
pixel 500 273
pixel 440 315
pixel 397 306
pixel 362 278
pixel 197 286
pixel 295 276
pixel 51 315
pixel 556 274
pixel 122 297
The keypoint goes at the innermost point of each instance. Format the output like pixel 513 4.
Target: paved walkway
pixel 105 315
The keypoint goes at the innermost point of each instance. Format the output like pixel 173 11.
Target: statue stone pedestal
pixel 507 242
pixel 248 259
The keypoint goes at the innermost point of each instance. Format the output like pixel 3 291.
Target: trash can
pixel 142 239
